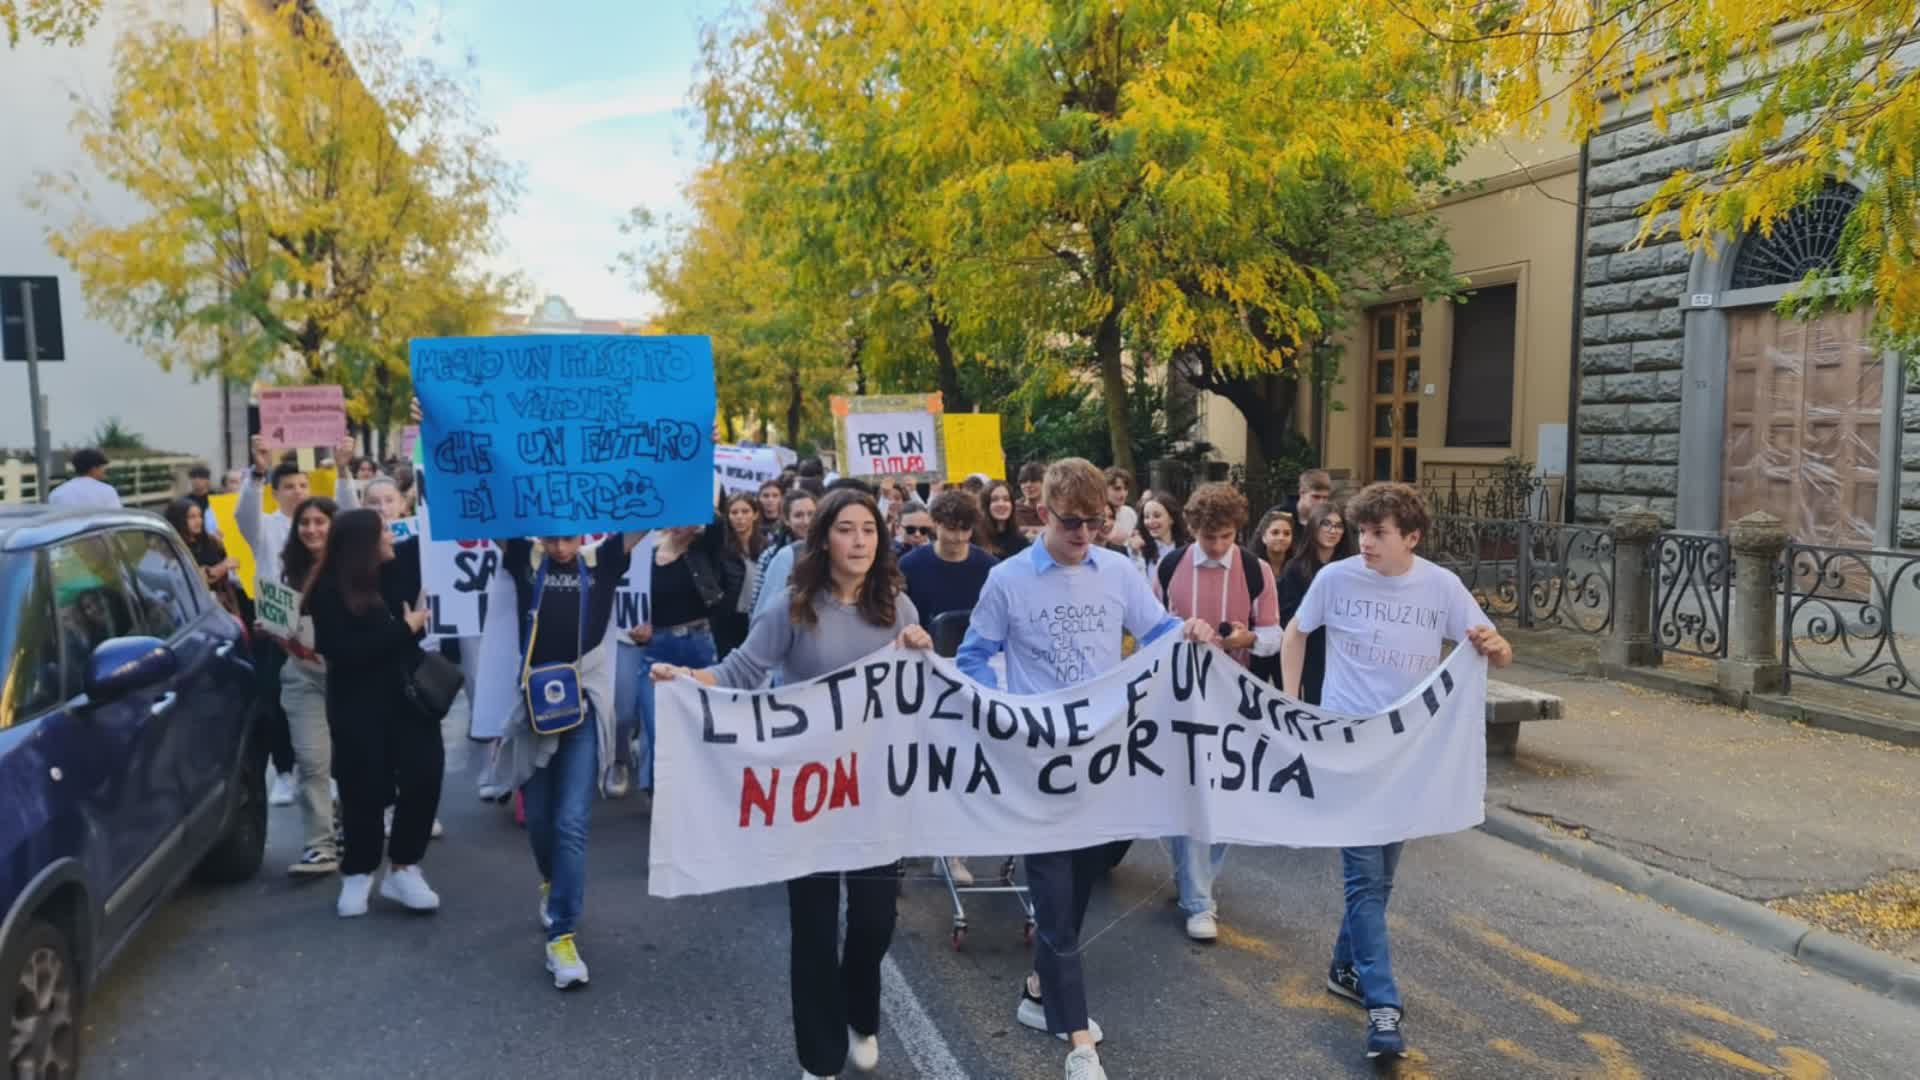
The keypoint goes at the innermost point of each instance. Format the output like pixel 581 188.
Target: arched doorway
pixel 1804 398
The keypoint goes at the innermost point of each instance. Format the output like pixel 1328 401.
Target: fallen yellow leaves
pixel 1884 914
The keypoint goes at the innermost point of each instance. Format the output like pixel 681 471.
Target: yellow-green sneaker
pixel 563 961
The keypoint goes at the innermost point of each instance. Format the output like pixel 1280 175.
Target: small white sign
pixel 1700 299
pixel 277 607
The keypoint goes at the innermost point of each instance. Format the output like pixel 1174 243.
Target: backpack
pixel 1256 583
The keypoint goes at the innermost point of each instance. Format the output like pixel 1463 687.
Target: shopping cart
pixel 949 628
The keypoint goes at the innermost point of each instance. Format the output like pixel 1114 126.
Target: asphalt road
pixel 1513 966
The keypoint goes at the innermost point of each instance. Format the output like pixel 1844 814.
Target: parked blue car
pixel 128 755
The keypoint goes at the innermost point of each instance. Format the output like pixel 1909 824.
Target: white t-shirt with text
pixel 1384 633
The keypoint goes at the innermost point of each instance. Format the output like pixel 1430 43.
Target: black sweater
pixel 369 654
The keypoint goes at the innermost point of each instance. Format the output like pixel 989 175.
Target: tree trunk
pixel 1113 386
pixel 793 406
pixel 952 398
pixel 732 436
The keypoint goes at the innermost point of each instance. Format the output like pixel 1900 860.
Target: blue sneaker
pixel 1345 982
pixel 1383 1034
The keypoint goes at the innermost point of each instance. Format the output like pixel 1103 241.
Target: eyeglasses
pixel 1336 526
pixel 917 530
pixel 1075 524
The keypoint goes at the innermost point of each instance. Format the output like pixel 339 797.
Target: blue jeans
pixel 1368 872
pixel 1195 875
pixel 628 673
pixel 559 799
pixel 687 650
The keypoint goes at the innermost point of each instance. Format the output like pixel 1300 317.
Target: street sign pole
pixel 41 455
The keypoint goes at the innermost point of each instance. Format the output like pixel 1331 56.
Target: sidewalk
pixel 1819 826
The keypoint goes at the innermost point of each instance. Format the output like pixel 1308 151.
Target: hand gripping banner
pixel 901 755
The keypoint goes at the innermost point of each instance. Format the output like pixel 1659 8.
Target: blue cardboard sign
pixel 560 435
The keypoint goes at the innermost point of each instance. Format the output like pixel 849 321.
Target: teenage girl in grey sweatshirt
pixel 846 600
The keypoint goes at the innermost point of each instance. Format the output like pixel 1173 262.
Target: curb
pixel 1758 924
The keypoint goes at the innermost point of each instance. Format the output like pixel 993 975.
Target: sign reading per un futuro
pixel 560 436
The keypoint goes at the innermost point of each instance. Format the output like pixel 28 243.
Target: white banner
pixel 901 755
pixel 276 607
pixel 742 468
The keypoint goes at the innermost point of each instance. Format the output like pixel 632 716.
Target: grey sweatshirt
pixel 838 638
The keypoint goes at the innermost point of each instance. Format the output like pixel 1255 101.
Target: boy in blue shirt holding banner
pixel 1057 611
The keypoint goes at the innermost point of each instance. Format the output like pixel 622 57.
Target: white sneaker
pixel 409 888
pixel 546 917
pixel 957 870
pixel 863 1051
pixel 280 790
pixel 1033 1013
pixel 1203 927
pixel 439 830
pixel 314 862
pixel 564 963
pixel 1084 1064
pixel 805 1075
pixel 353 895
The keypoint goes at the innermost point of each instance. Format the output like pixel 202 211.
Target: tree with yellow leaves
pixel 48 20
pixel 1804 90
pixel 1086 179
pixel 314 199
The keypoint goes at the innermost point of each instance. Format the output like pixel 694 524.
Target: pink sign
pixel 408 436
pixel 302 416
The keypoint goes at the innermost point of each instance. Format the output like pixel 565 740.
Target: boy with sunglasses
pixel 1057 610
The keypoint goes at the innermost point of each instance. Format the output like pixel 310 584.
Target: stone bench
pixel 1509 706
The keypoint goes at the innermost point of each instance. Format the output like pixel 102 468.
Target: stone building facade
pixel 1672 342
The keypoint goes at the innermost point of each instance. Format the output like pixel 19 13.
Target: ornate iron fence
pixel 1852 616
pixel 1569 577
pixel 1535 573
pixel 1692 592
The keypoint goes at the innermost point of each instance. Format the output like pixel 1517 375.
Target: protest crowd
pixel 799 573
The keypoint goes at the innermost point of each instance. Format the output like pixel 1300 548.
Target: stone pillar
pixel 1632 642
pixel 1753 649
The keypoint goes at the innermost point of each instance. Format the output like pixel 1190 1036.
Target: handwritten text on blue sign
pixel 557 436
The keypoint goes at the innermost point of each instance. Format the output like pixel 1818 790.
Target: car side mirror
pixel 125 665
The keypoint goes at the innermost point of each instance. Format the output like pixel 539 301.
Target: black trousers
pixel 377 754
pixel 833 991
pixel 268 659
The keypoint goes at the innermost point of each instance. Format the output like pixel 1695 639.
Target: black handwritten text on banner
pixel 900 754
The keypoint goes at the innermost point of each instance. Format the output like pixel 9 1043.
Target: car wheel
pixel 237 855
pixel 44 1039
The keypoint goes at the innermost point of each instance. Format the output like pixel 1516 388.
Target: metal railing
pixel 1692 592
pixel 1851 616
pixel 1534 572
pixel 152 481
pixel 1491 492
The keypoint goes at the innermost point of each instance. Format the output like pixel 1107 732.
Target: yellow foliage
pixel 325 204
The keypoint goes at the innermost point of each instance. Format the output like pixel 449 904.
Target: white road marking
pixel 909 1023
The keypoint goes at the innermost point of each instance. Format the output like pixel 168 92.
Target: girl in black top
pixel 691 577
pixel 998 532
pixel 369 634
pixel 189 519
pixel 1324 539
pixel 740 553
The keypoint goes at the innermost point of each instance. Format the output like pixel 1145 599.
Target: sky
pixel 590 98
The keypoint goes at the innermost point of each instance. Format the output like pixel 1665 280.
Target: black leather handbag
pixel 433 684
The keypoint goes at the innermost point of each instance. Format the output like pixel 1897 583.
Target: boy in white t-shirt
pixel 1386 612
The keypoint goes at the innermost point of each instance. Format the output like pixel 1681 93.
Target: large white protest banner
pixel 900 754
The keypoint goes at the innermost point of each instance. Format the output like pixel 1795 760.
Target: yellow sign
pixel 221 506
pixel 973 446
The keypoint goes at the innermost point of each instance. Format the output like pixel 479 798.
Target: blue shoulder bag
pixel 555 703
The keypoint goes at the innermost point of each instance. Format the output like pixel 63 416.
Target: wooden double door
pixel 1804 413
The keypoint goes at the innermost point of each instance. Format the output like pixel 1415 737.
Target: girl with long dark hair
pixel 303 694
pixel 384 748
pixel 999 531
pixel 745 542
pixel 189 520
pixel 846 600
pixel 1161 528
pixel 1274 539
pixel 1324 539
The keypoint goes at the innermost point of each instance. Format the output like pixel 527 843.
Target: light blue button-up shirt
pixel 1059 625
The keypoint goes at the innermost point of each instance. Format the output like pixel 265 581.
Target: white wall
pixel 103 374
